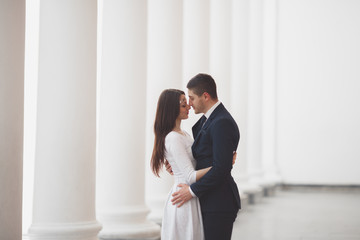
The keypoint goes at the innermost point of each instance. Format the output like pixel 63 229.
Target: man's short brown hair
pixel 203 83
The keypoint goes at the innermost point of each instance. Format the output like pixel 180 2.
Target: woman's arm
pixel 176 147
pixel 200 173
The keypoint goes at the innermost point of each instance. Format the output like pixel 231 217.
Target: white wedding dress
pixel 185 222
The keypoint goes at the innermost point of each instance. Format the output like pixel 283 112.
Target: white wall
pixel 318 91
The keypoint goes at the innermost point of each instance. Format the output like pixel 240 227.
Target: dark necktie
pixel 201 123
pixel 203 120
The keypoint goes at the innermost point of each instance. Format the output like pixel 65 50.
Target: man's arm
pixel 183 195
pixel 224 137
pixel 168 167
pixel 199 173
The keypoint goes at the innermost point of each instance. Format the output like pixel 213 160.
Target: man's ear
pixel 207 96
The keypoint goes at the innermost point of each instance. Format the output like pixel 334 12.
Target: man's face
pixel 196 102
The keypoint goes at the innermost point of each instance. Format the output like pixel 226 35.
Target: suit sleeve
pixel 224 142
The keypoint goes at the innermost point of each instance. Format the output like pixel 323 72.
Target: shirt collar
pixel 210 111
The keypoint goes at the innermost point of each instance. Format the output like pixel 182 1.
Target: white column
pixel 121 178
pixel 164 71
pixel 12 44
pixel 255 92
pixel 30 96
pixel 196 35
pixel 220 48
pixel 255 89
pixel 239 96
pixel 64 189
pixel 269 92
pixel 196 40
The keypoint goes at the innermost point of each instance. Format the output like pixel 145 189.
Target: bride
pixel 174 144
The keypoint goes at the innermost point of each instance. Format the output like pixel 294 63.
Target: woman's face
pixel 184 108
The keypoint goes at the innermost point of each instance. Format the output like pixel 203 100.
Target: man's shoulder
pixel 224 120
pixel 223 116
pixel 221 111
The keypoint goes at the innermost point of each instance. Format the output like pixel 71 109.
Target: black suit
pixel 214 143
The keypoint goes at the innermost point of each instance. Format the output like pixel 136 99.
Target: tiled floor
pixel 302 214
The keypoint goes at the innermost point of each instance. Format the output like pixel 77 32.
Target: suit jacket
pixel 214 143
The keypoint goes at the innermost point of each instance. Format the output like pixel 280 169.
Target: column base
pixel 274 178
pixel 156 216
pixel 156 206
pixel 141 231
pixel 255 197
pixel 269 190
pixel 244 198
pixel 64 231
pixel 128 223
pixel 254 192
pixel 268 186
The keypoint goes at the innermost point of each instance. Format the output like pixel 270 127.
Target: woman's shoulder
pixel 173 136
pixel 174 140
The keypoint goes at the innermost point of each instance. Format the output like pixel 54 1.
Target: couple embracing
pixel 204 201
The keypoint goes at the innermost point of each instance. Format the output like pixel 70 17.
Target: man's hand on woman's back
pixel 168 167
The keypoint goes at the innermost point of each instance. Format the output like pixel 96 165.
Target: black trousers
pixel 218 226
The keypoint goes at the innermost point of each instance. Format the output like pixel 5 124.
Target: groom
pixel 216 137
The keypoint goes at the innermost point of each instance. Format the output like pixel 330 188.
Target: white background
pixel 318 91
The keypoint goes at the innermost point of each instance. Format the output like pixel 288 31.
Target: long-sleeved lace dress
pixel 185 222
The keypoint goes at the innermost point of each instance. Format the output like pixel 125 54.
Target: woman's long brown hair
pixel 168 109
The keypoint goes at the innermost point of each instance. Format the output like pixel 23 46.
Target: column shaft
pixel 255 91
pixel 64 187
pixel 196 35
pixel 121 194
pixel 196 48
pixel 239 83
pixel 269 91
pixel 164 71
pixel 255 119
pixel 249 193
pixel 12 44
pixel 220 48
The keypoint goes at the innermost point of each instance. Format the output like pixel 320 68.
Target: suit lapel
pixel 213 115
pixel 198 128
